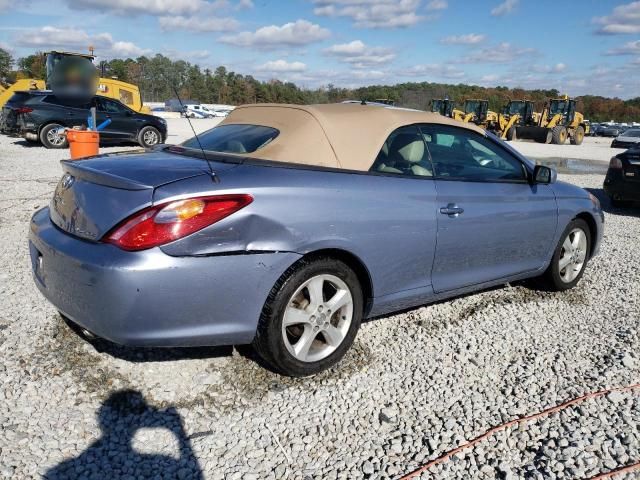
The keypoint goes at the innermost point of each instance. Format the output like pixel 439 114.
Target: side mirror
pixel 544 174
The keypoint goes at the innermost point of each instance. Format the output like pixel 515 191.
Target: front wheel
pixel 149 136
pixel 310 318
pixel 570 257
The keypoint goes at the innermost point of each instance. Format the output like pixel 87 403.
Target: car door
pixel 71 113
pixel 492 223
pixel 402 249
pixel 123 122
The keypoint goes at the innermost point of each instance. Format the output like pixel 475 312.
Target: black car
pixel 622 183
pixel 611 131
pixel 39 116
pixel 628 139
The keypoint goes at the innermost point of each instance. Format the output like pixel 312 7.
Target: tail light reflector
pixel 167 222
pixel 615 163
pixel 23 110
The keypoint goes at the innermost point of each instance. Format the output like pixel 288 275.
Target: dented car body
pixel 402 234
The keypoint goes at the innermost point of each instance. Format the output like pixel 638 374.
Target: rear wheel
pixel 149 136
pixel 310 318
pixel 570 257
pixel 559 135
pixel 50 136
pixel 511 134
pixel 578 136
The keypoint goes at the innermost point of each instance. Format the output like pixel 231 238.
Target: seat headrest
pixel 408 147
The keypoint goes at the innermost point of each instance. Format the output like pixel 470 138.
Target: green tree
pixel 6 64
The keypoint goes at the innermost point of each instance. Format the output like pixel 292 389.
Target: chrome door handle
pixel 452 210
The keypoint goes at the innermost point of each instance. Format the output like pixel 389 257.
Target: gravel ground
pixel 414 386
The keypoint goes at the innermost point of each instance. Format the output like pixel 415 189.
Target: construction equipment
pixel 443 106
pixel 557 122
pixel 126 93
pixel 515 115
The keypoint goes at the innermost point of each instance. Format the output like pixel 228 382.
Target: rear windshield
pixel 234 138
pixel 19 97
pixel 632 133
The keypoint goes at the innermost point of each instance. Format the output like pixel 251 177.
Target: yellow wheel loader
pixel 107 87
pixel 558 122
pixel 515 115
pixel 448 108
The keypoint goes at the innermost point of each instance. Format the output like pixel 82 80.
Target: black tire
pixel 511 134
pixel 551 279
pixel 559 135
pixel 149 137
pixel 269 342
pixel 49 139
pixel 578 136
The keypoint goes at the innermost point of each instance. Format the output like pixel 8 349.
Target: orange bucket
pixel 83 143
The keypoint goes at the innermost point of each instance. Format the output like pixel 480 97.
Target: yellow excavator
pixel 558 122
pixel 127 93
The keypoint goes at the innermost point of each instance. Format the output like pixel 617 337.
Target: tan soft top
pixel 339 135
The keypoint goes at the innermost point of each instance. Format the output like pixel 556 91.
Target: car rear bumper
pixel 149 298
pixel 618 187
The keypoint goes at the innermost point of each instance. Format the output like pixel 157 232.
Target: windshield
pixel 632 133
pixel 234 138
pixel 558 106
pixel 516 108
pixel 471 106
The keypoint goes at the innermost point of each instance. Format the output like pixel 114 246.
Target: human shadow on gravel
pixel 633 210
pixel 112 456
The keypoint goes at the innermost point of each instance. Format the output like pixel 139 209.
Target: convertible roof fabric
pixel 339 135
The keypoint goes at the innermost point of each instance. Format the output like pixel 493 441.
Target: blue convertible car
pixel 286 225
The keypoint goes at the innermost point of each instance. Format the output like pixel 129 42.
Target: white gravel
pixel 415 385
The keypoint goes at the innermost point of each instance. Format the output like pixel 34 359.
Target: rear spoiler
pixel 101 177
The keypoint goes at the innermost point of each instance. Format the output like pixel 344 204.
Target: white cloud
pixel 300 32
pixel 624 19
pixel 505 8
pixel 148 7
pixel 468 39
pixel 245 4
pixel 437 5
pixel 433 70
pixel 4 5
pixel 557 68
pixel 52 38
pixel 198 24
pixel 501 53
pixel 281 66
pixel 360 55
pixel 192 55
pixel 373 13
pixel 629 48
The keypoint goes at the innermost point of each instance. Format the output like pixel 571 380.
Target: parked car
pixel 629 138
pixel 622 183
pixel 611 131
pixel 593 130
pixel 40 116
pixel 293 223
pixel 199 111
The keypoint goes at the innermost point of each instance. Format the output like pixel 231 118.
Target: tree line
pixel 159 78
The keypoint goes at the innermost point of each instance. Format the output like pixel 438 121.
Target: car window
pixel 65 102
pixel 459 153
pixel 234 138
pixel 632 133
pixel 403 153
pixel 109 106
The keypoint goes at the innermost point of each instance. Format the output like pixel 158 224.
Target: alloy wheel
pixel 317 318
pixel 573 255
pixel 150 137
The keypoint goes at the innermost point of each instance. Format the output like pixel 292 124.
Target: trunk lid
pixel 631 165
pixel 97 193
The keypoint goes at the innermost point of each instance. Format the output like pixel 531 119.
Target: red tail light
pixel 615 163
pixel 23 110
pixel 167 222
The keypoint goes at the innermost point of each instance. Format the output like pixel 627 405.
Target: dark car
pixel 628 139
pixel 611 131
pixel 40 116
pixel 622 183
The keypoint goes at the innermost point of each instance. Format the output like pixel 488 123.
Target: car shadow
pixel 149 354
pixel 113 455
pixel 26 144
pixel 633 210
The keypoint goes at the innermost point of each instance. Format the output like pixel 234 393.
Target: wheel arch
pixel 49 122
pixel 593 229
pixel 353 262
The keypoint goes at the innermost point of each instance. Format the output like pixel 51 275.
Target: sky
pixel 579 47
